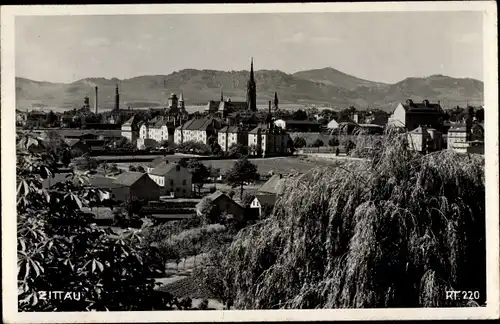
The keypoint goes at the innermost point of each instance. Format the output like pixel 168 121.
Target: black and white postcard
pixel 250 162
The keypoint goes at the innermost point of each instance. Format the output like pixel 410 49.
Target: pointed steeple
pixel 251 70
pixel 251 90
pixel 276 102
pixel 181 98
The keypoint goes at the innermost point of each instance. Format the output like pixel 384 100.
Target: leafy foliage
pixel 396 231
pixel 199 171
pixel 299 142
pixel 242 173
pixel 60 249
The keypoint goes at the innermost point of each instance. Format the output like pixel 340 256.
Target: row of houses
pixel 266 138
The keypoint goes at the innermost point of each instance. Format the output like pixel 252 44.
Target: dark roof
pixel 72 141
pixel 265 128
pixel 231 129
pixel 266 199
pixel 274 185
pixel 423 107
pixel 198 124
pixel 128 178
pixel 104 182
pixel 233 105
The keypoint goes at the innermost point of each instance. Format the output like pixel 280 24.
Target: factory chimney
pixel 96 101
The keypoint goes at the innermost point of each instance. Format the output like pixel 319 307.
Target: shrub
pixel 60 249
pixel 299 142
pixel 397 231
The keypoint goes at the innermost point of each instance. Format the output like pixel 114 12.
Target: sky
pixel 377 46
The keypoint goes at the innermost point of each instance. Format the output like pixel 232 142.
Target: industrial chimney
pixel 96 100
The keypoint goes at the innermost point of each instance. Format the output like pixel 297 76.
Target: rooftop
pixel 128 178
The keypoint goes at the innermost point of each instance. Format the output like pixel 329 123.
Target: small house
pixel 174 179
pixel 224 204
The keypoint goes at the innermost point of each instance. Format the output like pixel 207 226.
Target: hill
pixel 327 87
pixel 337 78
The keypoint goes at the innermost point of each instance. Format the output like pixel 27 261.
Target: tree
pixel 50 119
pixel 247 199
pixel 199 171
pixel 140 169
pixel 242 173
pixel 299 115
pixel 299 142
pixel 132 168
pixel 334 141
pixel 209 211
pixel 480 115
pixel 237 150
pixel 317 143
pixel 60 249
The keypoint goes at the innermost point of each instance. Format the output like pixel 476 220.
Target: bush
pixel 397 231
pixel 299 142
pixel 60 249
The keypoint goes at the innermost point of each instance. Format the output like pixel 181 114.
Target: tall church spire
pixel 276 101
pixel 117 98
pixel 251 91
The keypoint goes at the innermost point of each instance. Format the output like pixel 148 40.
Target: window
pixel 183 190
pixel 171 182
pixel 184 182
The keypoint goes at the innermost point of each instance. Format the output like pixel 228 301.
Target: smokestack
pixel 96 100
pixel 269 106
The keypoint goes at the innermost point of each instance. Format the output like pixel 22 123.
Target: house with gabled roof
pixel 232 135
pixel 135 184
pixel 268 139
pixel 261 202
pixel 198 129
pixel 174 179
pixel 274 185
pixel 224 204
pixel 130 128
pixel 155 131
pixel 410 115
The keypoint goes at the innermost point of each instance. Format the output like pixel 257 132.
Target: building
pixel 268 139
pixel 174 179
pixel 232 135
pixel 274 185
pixel 223 108
pixel 411 115
pixel 298 125
pixel 154 132
pixel 200 130
pixel 135 184
pixel 332 124
pixel 78 147
pixel 130 129
pixel 224 204
pixel 263 201
pixel 418 139
pixel 153 164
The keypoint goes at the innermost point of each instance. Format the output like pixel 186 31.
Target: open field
pixel 286 164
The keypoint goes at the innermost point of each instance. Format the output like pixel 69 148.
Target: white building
pixel 196 130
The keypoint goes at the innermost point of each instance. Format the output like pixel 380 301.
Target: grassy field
pixel 278 164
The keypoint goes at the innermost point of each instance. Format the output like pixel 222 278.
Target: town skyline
pixel 79 47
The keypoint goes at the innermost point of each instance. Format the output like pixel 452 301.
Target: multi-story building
pixel 231 135
pixel 130 129
pixel 154 132
pixel 197 130
pixel 173 179
pixel 411 115
pixel 268 139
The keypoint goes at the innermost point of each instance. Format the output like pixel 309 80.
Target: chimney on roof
pixel 426 102
pixel 409 102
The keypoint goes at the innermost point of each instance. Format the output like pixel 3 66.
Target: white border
pixel 9 280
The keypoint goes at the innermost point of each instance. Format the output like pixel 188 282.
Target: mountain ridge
pixel 321 87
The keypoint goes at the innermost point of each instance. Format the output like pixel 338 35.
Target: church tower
pixel 275 104
pixel 182 106
pixel 251 91
pixel 117 98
